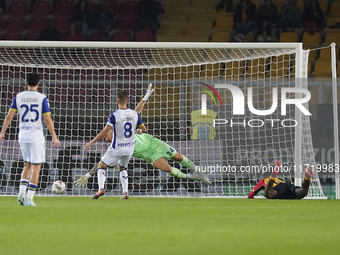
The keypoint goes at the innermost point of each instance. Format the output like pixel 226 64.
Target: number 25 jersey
pixel 31 106
pixel 124 123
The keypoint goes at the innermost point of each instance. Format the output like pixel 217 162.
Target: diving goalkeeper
pixel 153 151
pixel 274 188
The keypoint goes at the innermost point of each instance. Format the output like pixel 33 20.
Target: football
pixel 58 187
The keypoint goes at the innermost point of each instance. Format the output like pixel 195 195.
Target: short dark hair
pixel 33 79
pixel 122 97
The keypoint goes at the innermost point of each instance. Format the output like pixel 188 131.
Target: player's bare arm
pixel 101 135
pixel 7 121
pixel 143 128
pixel 142 103
pixel 50 126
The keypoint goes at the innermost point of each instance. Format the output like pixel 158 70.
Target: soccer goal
pixel 251 90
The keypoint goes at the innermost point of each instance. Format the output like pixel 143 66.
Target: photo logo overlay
pixel 278 95
pixel 204 97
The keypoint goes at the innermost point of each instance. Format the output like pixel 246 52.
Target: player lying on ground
pixel 125 122
pixel 277 189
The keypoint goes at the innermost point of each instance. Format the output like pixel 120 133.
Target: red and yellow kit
pixel 261 186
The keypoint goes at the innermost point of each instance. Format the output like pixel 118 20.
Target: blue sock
pixel 31 190
pixel 23 186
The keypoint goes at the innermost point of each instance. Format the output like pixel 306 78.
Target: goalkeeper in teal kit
pixel 153 151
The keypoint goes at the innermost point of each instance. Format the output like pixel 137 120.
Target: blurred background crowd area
pixel 316 23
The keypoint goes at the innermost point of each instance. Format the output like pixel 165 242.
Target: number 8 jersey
pixel 31 106
pixel 124 123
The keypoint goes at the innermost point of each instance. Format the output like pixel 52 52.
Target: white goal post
pixel 81 80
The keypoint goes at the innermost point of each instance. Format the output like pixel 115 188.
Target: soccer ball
pixel 58 187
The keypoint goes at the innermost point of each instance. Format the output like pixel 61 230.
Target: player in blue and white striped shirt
pixel 32 108
pixel 124 123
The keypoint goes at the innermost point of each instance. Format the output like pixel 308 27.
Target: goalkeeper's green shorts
pixel 156 150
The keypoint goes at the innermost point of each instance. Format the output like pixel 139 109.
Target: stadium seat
pixel 125 22
pixel 289 37
pixel 19 8
pixel 63 8
pixel 112 5
pixel 185 32
pixel 37 23
pixel 334 9
pixel 171 38
pixel 13 35
pixel 330 22
pixel 128 8
pixel 331 37
pixel 311 40
pixel 103 94
pixel 94 36
pixel 81 95
pixel 324 5
pixel 312 53
pixel 256 69
pixel 249 37
pixel 186 25
pixel 212 70
pixel 61 23
pixel 257 4
pixel 32 35
pixel 58 95
pixel 322 69
pixel 189 17
pixel 278 3
pixel 279 67
pixel 17 73
pixel 132 74
pixel 234 68
pixel 91 5
pixel 214 55
pixel 174 73
pixel 11 91
pixel 325 54
pixel 220 36
pixel 193 4
pixel 144 36
pixel 314 91
pixel 41 8
pixel 165 102
pixel 122 36
pixel 191 10
pixel 17 23
pixel 224 23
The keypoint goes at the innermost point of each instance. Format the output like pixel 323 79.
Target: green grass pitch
pixel 74 225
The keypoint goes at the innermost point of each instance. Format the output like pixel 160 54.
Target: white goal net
pixel 82 79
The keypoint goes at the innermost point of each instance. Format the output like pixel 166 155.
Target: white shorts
pixel 33 153
pixel 113 157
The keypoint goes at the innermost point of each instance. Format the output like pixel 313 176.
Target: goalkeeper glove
pixel 148 93
pixel 81 181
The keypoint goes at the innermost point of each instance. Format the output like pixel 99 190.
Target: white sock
pixel 23 186
pixel 31 191
pixel 101 177
pixel 124 180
